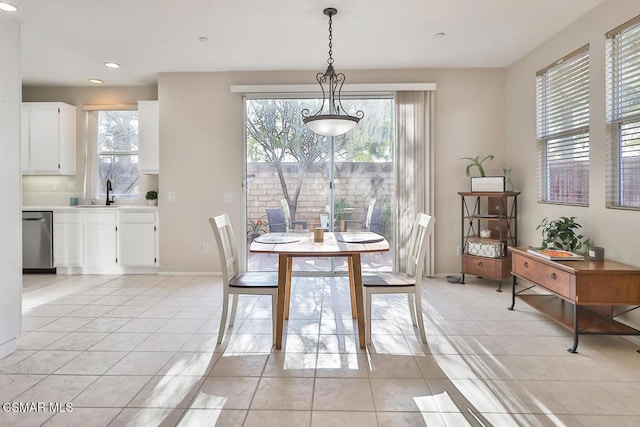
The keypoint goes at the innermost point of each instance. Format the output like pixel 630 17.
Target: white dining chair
pixel 409 282
pixel 235 282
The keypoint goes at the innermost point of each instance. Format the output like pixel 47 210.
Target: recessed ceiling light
pixel 203 39
pixel 440 35
pixel 96 81
pixel 8 7
pixel 112 65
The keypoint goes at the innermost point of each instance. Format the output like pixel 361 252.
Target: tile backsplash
pixel 57 190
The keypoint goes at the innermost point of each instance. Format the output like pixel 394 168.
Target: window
pixel 623 115
pixel 117 152
pixel 563 130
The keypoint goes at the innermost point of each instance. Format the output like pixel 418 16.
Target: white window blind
pixel 623 115
pixel 563 129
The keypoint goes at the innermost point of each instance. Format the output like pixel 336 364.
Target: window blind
pixel 623 114
pixel 563 129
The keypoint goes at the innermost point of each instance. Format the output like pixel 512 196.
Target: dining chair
pixel 235 282
pixel 367 216
pixel 409 282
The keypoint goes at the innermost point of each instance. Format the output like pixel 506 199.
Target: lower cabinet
pixel 100 239
pixel 137 239
pixel 68 239
pixel 108 241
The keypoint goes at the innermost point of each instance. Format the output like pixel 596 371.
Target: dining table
pixel 297 244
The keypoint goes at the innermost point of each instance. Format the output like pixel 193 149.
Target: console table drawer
pixel 483 267
pixel 553 279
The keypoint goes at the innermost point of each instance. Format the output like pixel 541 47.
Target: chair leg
pixel 418 299
pixel 412 308
pixel 234 308
pixel 274 315
pixel 367 315
pixel 223 319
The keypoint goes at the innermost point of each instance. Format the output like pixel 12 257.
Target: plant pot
pixel 153 202
pixel 254 236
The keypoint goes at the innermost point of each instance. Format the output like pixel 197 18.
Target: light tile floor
pixel 140 351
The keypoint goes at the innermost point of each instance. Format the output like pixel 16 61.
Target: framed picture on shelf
pixel 491 184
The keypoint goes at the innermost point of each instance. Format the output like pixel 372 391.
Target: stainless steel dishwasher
pixel 37 242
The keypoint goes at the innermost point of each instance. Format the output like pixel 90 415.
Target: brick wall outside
pixel 356 184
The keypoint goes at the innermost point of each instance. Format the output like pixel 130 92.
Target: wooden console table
pixel 583 293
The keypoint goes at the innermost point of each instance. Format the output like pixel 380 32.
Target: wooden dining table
pixel 291 245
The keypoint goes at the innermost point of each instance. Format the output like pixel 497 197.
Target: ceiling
pixel 66 42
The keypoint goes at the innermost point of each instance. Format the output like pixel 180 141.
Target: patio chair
pixel 409 282
pixel 276 219
pixel 371 219
pixel 233 281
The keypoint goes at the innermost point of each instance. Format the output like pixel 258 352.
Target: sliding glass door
pixel 341 184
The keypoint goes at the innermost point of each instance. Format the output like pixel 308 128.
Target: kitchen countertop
pixel 91 208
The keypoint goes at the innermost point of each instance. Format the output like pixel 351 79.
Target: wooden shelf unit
pixel 497 212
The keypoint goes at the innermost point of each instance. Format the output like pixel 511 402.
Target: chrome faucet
pixel 109 188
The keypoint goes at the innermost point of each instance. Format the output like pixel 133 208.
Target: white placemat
pixel 362 237
pixel 276 238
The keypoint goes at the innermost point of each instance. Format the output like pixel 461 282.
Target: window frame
pixel 564 117
pixel 618 112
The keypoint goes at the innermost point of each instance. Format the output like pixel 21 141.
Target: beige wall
pixel 41 190
pixel 201 151
pixel 618 231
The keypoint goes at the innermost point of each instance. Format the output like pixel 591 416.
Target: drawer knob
pixel 526 264
pixel 480 264
pixel 554 276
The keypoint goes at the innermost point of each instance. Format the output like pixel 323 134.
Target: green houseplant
pixel 257 227
pixel 476 162
pixel 152 197
pixel 561 234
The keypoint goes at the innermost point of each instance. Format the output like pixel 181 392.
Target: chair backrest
pixel 376 220
pixel 276 220
pixel 422 229
pixel 287 214
pixel 369 214
pixel 223 232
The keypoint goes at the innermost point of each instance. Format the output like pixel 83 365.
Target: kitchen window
pixel 623 116
pixel 112 153
pixel 563 130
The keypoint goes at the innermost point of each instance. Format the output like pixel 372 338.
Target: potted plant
pixel 255 228
pixel 152 197
pixel 476 162
pixel 341 212
pixel 561 234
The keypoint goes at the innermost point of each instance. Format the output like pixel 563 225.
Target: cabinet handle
pixel 526 264
pixel 554 276
pixel 480 264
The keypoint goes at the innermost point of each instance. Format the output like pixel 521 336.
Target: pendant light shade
pixel 330 119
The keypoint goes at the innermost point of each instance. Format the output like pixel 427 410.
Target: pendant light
pixel 331 120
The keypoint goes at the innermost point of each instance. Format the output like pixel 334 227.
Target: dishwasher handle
pixel 33 219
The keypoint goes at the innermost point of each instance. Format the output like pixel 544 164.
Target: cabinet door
pixel 148 133
pixel 137 239
pixel 43 138
pixel 68 239
pixel 67 139
pixel 100 239
pixel 137 245
pixel 24 138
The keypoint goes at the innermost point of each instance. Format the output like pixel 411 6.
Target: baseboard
pixel 189 273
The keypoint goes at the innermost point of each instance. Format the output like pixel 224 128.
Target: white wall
pixel 10 211
pixel 201 149
pixel 618 231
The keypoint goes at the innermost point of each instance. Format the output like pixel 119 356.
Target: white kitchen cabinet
pixel 149 137
pixel 68 239
pixel 48 138
pixel 100 239
pixel 137 239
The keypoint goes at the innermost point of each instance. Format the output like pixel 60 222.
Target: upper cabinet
pixel 149 134
pixel 48 138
